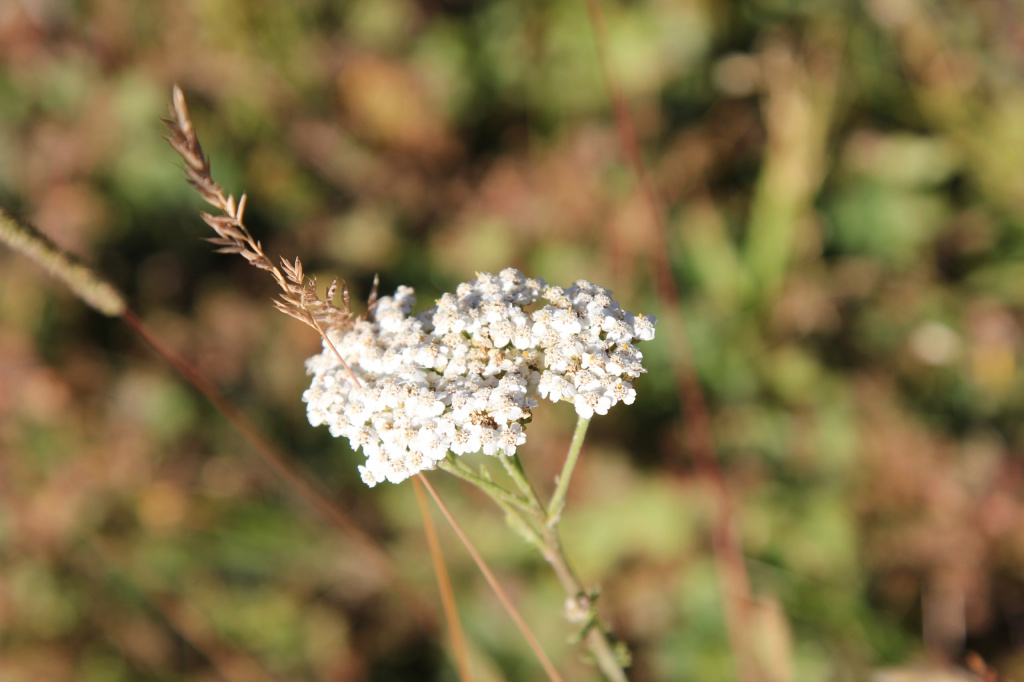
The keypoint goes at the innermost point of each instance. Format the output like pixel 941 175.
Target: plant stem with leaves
pixel 537 522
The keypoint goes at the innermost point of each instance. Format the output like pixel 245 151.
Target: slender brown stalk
pixel 283 467
pixel 277 461
pixel 499 591
pixel 460 648
pixel 726 545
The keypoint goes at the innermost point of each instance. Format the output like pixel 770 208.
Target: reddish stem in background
pixel 697 428
pixel 460 648
pixel 282 466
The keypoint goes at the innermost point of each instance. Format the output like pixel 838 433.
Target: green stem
pixel 597 633
pixel 514 468
pixel 554 511
pixel 539 525
pixel 492 489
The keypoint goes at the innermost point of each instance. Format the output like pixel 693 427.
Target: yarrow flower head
pixel 465 375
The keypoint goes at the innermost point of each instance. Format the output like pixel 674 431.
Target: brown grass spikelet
pixel 299 297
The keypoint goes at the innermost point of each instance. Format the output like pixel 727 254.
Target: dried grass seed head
pixel 299 298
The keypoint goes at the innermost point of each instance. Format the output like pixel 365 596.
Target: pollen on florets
pixel 462 376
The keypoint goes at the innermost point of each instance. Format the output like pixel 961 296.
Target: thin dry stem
pixel 499 592
pixel 460 647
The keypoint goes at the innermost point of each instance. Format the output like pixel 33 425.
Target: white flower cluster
pixel 461 376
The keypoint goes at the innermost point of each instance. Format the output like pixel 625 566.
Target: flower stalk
pixel 538 523
pixel 562 487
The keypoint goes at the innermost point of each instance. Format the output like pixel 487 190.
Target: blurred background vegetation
pixel 843 190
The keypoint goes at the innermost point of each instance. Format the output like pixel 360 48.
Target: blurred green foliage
pixel 843 185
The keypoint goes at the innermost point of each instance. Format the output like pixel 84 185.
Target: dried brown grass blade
pixel 460 648
pixel 499 591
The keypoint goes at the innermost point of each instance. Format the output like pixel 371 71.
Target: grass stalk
pixel 460 648
pixel 499 591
